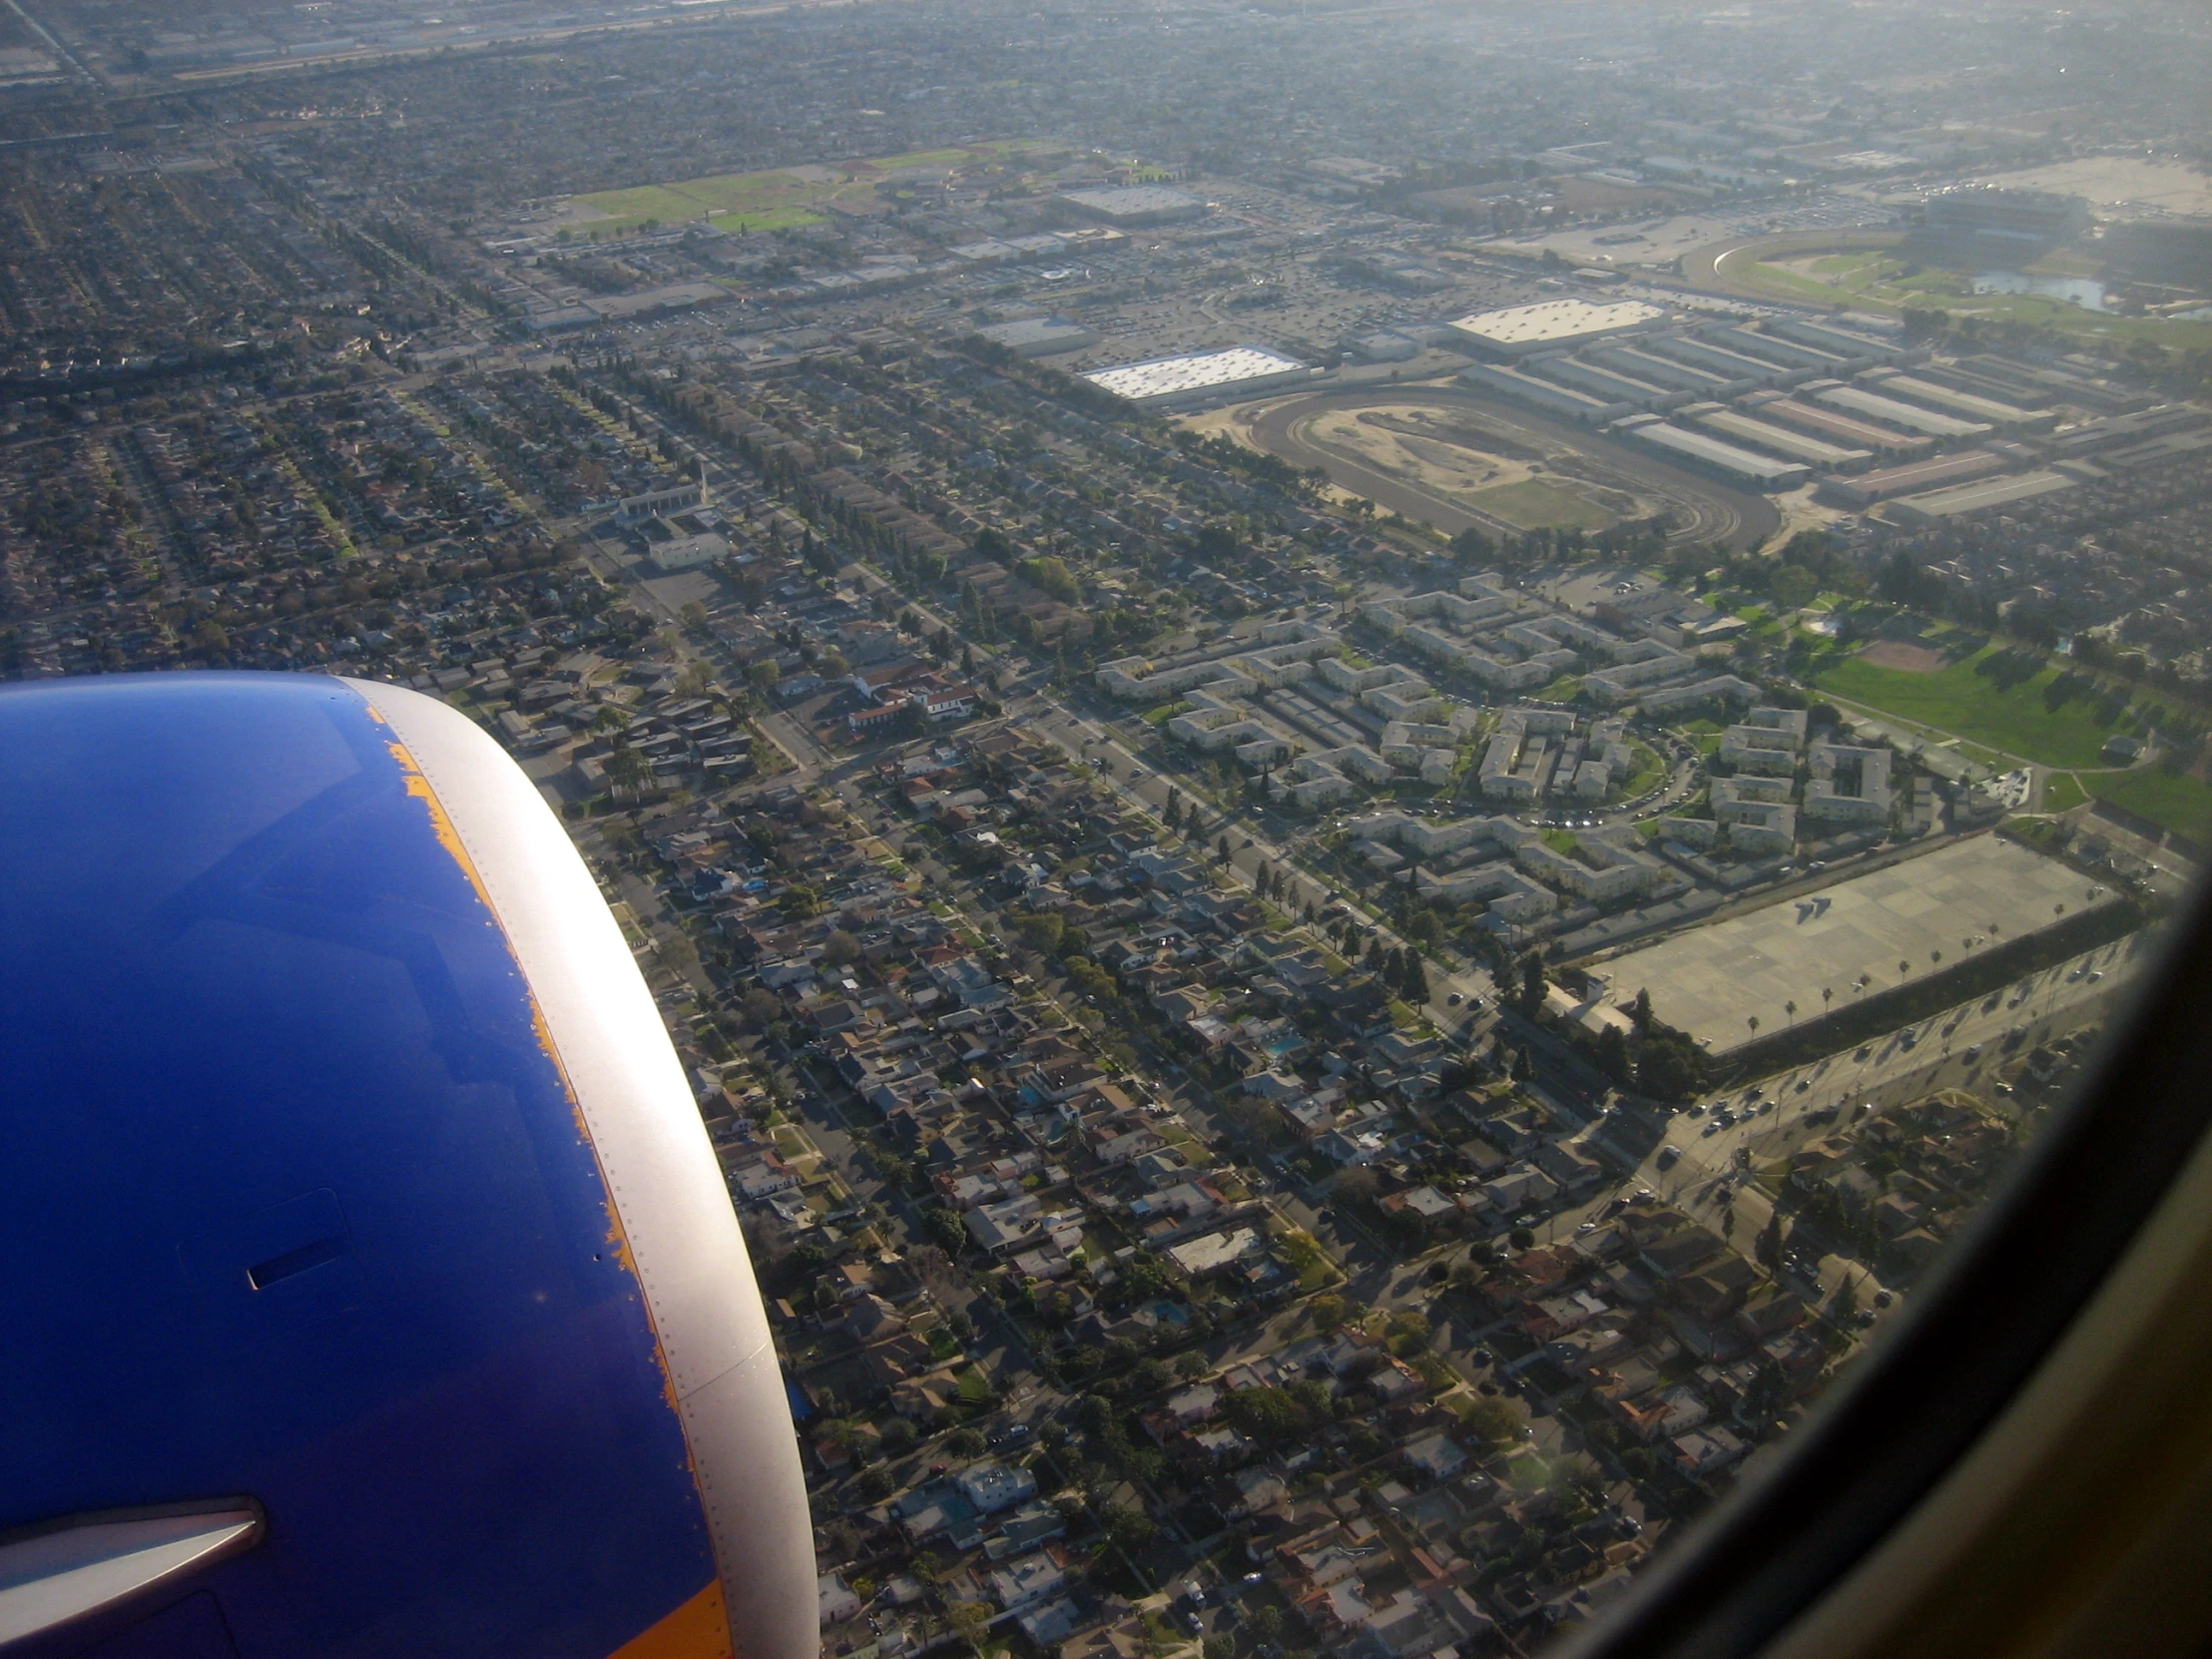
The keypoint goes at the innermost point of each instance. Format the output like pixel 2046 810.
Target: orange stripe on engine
pixel 699 1629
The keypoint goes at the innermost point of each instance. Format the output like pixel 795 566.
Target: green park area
pixel 2010 699
pixel 776 199
pixel 2063 792
pixel 2173 800
pixel 1890 278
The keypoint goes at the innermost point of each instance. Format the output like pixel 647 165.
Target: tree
pixel 1270 1416
pixel 1532 986
pixel 1331 1311
pixel 1407 1334
pixel 626 769
pixel 1497 1422
pixel 1768 1249
pixel 1043 930
pixel 1612 1054
pixel 1639 1011
pixel 1766 1394
pixel 1415 980
pixel 839 948
pixel 970 1621
pixel 1521 1238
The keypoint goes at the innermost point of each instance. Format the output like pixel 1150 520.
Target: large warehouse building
pixel 1136 203
pixel 1200 377
pixel 2028 217
pixel 1737 464
pixel 1553 325
pixel 1040 336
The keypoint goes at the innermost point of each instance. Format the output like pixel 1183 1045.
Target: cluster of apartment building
pixel 1757 808
pixel 1506 640
pixel 1538 755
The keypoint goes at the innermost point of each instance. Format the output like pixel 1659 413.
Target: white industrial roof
pixel 1555 319
pixel 1164 376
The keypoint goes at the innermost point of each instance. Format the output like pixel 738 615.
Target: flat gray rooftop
pixel 1711 981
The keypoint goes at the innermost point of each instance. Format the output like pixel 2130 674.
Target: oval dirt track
pixel 1704 509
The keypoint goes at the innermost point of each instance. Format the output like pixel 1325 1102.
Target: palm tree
pixel 1828 995
pixel 1790 1008
pixel 1752 1022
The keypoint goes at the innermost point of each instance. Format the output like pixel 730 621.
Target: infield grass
pixel 1533 504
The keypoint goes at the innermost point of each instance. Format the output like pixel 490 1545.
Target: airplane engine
pixel 370 1287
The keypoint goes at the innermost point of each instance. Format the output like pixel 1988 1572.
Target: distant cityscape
pixel 1370 758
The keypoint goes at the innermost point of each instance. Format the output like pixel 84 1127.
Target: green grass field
pixel 1533 504
pixel 2168 798
pixel 1651 767
pixel 773 200
pixel 1981 708
pixel 1880 279
pixel 2063 792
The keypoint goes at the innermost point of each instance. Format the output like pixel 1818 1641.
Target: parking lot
pixel 1858 937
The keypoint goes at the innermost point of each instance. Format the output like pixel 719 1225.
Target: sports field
pixel 773 200
pixel 2046 715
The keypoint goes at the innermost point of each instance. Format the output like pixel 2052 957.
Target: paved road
pixel 1911 1062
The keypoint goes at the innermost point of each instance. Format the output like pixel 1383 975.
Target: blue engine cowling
pixel 353 1192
